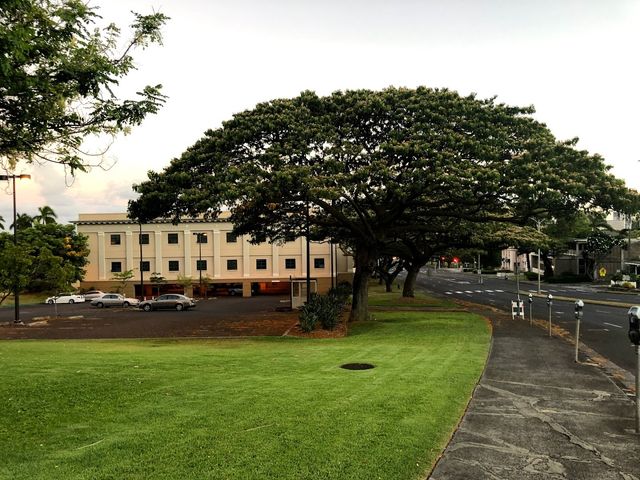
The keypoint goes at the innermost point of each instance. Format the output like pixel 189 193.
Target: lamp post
pixel 16 286
pixel 199 237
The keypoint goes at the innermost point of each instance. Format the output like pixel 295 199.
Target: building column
pixel 158 244
pixel 187 253
pixel 128 250
pixel 275 260
pixel 217 261
pixel 102 267
pixel 246 256
pixel 303 249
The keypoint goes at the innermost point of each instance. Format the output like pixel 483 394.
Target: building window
pixel 144 239
pixel 232 264
pixel 318 263
pixel 116 267
pixel 289 263
pixel 201 237
pixel 145 265
pixel 201 265
pixel 172 238
pixel 174 265
pixel 231 238
pixel 261 264
pixel 115 239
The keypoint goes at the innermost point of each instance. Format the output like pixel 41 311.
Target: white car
pixel 114 300
pixel 92 294
pixel 65 298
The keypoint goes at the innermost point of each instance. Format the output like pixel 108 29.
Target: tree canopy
pixel 370 168
pixel 57 78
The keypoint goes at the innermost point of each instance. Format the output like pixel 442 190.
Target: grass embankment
pixel 267 408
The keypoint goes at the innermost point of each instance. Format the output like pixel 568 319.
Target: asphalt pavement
pixel 537 414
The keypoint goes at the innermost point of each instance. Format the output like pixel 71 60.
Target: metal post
pixel 538 270
pixel 518 280
pixel 141 272
pixel 549 303
pixel 479 271
pixel 16 282
pixel 331 260
pixel 579 306
pixel 530 309
pixel 308 232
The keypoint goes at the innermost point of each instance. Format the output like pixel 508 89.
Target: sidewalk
pixel 536 414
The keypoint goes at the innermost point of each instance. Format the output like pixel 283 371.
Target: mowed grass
pixel 266 408
pixel 378 297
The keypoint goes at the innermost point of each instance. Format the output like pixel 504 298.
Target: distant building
pixel 197 248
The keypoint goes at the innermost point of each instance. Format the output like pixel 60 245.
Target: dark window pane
pixel 115 239
pixel 116 266
pixel 232 264
pixel 261 264
pixel 290 263
pixel 174 265
pixel 318 263
pixel 144 239
pixel 172 238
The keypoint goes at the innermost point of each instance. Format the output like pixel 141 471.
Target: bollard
pixel 578 309
pixel 530 309
pixel 634 337
pixel 549 303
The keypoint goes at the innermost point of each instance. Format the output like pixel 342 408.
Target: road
pixel 604 324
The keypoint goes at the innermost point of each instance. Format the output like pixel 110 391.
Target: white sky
pixel 576 61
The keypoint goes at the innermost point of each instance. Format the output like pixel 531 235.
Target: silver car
pixel 114 300
pixel 168 301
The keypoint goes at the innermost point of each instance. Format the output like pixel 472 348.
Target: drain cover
pixel 357 366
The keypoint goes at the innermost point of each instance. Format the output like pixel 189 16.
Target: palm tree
pixel 1 222
pixel 23 220
pixel 46 215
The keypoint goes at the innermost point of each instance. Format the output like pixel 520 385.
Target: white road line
pixel 597 329
pixel 458 291
pixel 601 311
pixel 500 291
pixel 478 291
pixel 468 291
pixel 448 293
pixel 612 324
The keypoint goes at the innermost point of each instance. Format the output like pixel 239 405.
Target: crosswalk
pixel 460 292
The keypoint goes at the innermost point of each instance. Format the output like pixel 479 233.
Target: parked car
pixel 168 301
pixel 92 295
pixel 65 298
pixel 114 300
pixel 635 310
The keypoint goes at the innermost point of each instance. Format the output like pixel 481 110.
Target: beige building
pixel 201 249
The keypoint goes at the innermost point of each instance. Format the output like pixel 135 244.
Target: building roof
pixel 123 219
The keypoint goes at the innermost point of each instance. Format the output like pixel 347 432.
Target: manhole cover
pixel 357 366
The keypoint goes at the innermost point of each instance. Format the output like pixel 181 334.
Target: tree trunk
pixel 364 269
pixel 388 283
pixel 548 265
pixel 410 281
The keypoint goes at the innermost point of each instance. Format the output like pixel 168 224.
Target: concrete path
pixel 536 414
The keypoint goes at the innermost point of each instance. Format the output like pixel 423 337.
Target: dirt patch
pixel 339 332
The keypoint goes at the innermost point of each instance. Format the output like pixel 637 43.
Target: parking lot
pixel 216 317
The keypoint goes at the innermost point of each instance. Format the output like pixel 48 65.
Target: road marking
pixel 612 324
pixel 458 291
pixel 448 293
pixel 478 291
pixel 601 311
pixel 489 291
pixel 500 291
pixel 597 329
pixel 468 291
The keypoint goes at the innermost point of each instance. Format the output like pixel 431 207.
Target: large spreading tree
pixel 371 168
pixel 58 75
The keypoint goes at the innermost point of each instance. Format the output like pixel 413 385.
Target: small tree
pixel 157 280
pixel 123 278
pixel 185 282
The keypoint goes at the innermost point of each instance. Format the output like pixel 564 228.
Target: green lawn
pixel 378 297
pixel 267 408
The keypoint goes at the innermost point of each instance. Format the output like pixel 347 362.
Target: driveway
pixel 219 317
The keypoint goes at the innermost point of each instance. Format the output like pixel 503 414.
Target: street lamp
pixel 16 286
pixel 199 238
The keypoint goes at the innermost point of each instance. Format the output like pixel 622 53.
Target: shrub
pixel 628 285
pixel 325 309
pixel 531 275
